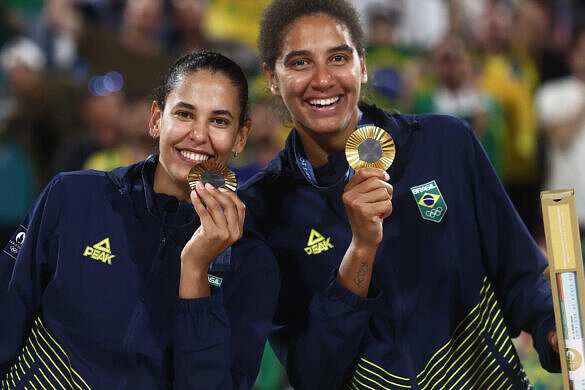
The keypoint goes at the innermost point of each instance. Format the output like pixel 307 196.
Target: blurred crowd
pixel 77 76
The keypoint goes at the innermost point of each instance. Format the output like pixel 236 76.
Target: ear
pixel 364 70
pixel 242 136
pixel 154 123
pixel 272 81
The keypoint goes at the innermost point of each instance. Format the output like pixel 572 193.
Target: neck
pixel 318 146
pixel 164 185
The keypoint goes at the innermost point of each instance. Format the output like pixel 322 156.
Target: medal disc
pixel 370 147
pixel 216 174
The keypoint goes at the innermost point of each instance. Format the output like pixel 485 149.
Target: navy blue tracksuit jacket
pixel 88 293
pixel 455 276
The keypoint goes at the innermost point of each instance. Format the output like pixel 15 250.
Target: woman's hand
pixel 553 340
pixel 222 218
pixel 368 200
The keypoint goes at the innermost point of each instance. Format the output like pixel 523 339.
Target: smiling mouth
pixel 320 103
pixel 195 157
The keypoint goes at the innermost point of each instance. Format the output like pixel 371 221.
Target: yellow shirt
pixel 236 21
pixel 108 159
pixel 514 91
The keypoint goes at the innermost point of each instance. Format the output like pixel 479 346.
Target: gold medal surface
pixel 370 147
pixel 218 175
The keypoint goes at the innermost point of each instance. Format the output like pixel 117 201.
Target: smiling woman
pixel 420 283
pixel 181 305
pixel 198 115
pixel 319 81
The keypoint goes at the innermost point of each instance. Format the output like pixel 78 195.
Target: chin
pixel 329 128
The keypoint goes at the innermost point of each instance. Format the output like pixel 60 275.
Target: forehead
pixel 314 32
pixel 205 88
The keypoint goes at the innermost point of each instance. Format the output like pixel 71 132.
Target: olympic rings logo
pixel 435 212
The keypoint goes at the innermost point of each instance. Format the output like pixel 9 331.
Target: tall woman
pixel 128 279
pixel 416 277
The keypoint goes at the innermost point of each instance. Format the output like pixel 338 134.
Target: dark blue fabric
pixel 427 276
pixel 122 324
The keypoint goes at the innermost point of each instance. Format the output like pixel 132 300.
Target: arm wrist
pixel 362 251
pixel 355 270
pixel 193 282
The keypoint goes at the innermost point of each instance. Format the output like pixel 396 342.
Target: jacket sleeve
pixel 319 344
pixel 513 261
pixel 24 272
pixel 219 341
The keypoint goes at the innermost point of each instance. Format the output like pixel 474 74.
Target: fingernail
pixel 223 189
pixel 194 194
pixel 200 185
pixel 386 176
pixel 208 186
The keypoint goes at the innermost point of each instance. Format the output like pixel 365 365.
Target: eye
pixel 339 58
pixel 221 121
pixel 183 114
pixel 299 63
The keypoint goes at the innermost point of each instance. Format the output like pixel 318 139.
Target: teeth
pixel 194 156
pixel 324 102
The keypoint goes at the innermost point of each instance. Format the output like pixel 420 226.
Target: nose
pixel 322 77
pixel 199 132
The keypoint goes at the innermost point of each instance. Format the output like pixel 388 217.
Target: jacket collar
pixel 398 126
pixel 136 184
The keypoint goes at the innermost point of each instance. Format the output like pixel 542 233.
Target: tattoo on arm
pixel 361 274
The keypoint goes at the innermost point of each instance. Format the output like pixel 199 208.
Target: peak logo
pixel 317 243
pixel 100 251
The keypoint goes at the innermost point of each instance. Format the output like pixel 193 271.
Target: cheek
pixel 173 131
pixel 292 85
pixel 222 142
pixel 353 77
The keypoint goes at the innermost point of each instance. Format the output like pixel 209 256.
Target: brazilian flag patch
pixel 430 202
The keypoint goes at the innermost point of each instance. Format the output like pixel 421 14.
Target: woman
pixel 415 283
pixel 128 279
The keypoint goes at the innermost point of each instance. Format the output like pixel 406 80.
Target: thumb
pixel 553 340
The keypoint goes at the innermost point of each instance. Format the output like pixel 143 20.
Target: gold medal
pixel 214 173
pixel 370 147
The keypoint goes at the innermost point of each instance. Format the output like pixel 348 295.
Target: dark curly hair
pixel 212 62
pixel 280 14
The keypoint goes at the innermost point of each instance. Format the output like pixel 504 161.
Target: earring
pixel 235 154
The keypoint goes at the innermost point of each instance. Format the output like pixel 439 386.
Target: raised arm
pixel 319 344
pixel 219 343
pixel 368 200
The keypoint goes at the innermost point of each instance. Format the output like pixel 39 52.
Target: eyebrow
pixel 343 47
pixel 301 53
pixel 184 105
pixel 192 107
pixel 295 53
pixel 223 112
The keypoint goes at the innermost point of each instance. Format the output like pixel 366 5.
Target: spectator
pixel 188 33
pixel 101 117
pixel 134 144
pixel 457 94
pixel 43 110
pixel 512 82
pixel 132 51
pixel 561 110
